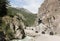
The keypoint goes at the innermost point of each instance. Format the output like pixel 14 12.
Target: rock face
pixel 15 26
pixel 49 15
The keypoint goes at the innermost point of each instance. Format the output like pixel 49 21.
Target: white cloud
pixel 31 5
pixel 19 0
pixel 13 5
pixel 33 8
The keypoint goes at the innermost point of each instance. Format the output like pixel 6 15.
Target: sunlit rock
pixel 15 26
pixel 49 14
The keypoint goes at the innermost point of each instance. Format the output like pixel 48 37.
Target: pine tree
pixel 3 9
pixel 3 12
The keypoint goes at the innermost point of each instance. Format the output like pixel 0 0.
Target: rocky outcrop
pixel 14 26
pixel 49 15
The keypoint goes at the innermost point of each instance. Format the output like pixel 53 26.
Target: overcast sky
pixel 31 5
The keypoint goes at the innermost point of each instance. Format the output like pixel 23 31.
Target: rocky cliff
pixel 49 15
pixel 13 27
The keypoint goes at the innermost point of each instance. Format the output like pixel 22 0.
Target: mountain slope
pixel 30 17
